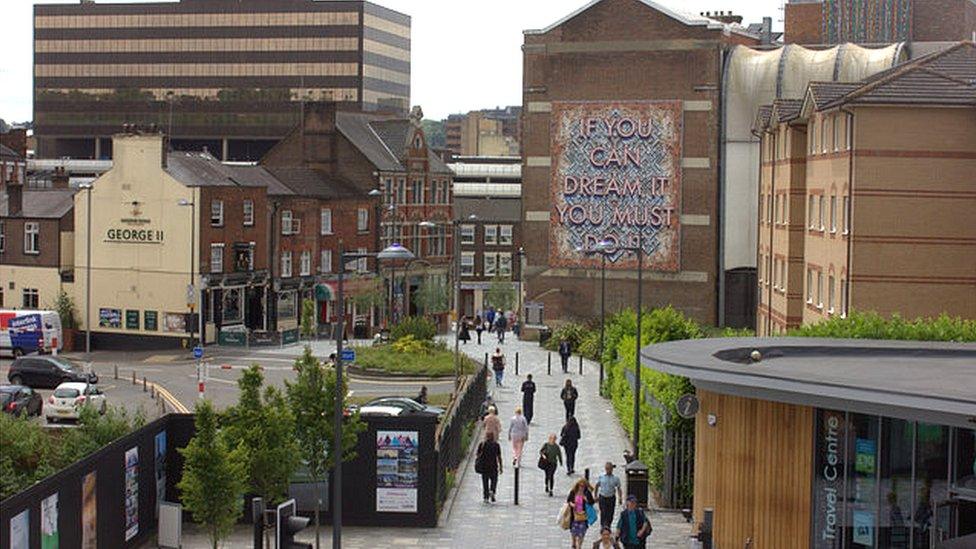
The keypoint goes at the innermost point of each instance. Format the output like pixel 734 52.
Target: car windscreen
pixel 66 364
pixel 66 392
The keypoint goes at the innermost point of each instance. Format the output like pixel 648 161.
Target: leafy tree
pixel 64 304
pixel 263 426
pixel 309 322
pixel 500 294
pixel 214 480
pixel 311 398
pixel 26 454
pixel 434 131
pixel 432 296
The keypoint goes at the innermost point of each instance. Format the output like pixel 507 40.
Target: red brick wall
pixel 344 231
pixel 939 20
pixel 803 23
pixel 233 229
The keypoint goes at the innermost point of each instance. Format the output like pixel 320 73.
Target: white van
pixel 24 332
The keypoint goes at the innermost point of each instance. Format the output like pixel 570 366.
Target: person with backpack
pixel 479 326
pixel 501 326
pixel 550 457
pixel 633 527
pixel 569 394
pixel 569 438
pixel 565 351
pixel 528 397
pixel 463 332
pixel 498 366
pixel 488 463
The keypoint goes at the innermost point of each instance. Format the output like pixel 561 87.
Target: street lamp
pixel 392 252
pixel 88 187
pixel 639 251
pixel 603 248
pixel 392 209
pixel 191 291
pixel 520 315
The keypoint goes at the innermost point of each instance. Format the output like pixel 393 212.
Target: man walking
pixel 569 395
pixel 528 397
pixel 501 324
pixel 633 526
pixel 498 365
pixel 565 351
pixel 608 491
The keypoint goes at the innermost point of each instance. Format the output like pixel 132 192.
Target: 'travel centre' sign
pixel 616 169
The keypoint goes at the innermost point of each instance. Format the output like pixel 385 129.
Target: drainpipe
pixel 760 217
pixel 270 305
pixel 850 207
pixel 720 209
pixel 772 233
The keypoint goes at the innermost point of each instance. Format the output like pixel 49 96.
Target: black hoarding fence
pixel 107 499
pixel 463 410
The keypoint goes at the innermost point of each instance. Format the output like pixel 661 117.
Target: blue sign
pixel 349 355
pixel 26 332
pixel 198 352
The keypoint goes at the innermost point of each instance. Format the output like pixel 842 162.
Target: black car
pixel 19 400
pixel 47 372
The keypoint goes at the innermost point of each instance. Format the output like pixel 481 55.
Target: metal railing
pixel 464 409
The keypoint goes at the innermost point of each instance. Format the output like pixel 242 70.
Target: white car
pixel 68 399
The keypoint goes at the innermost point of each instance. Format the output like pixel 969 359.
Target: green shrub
pixel 573 332
pixel 871 325
pixel 422 329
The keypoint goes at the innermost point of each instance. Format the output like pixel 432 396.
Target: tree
pixel 311 398
pixel 434 132
pixel 500 294
pixel 309 322
pixel 213 482
pixel 432 296
pixel 64 304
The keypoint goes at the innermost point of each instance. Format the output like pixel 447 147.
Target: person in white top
pixel 518 433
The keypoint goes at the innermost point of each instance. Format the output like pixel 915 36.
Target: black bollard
pixel 516 484
pixel 581 365
pixel 144 386
pixel 516 364
pixel 586 474
pixel 486 360
pixel 549 364
pixel 116 370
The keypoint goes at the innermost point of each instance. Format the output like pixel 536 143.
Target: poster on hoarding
pixel 131 493
pixel 49 522
pixel 109 318
pixel 159 463
pixel 20 530
pixel 89 509
pixel 396 471
pixel 616 177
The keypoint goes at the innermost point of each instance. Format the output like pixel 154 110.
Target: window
pixel 286 221
pixel 837 133
pixel 31 298
pixel 244 257
pixel 444 192
pixel 843 297
pixel 833 214
pixel 810 212
pixel 285 264
pixel 361 263
pixel 491 261
pixel 325 261
pixel 467 234
pixel 438 242
pixel 491 235
pixel 3 242
pixel 820 212
pixel 762 208
pixel 248 213
pixel 217 258
pixel 505 264
pixel 305 263
pixel 32 236
pixel 362 220
pixel 505 235
pixel 401 191
pixel 387 190
pixel 467 263
pixel 784 215
pixel 809 285
pixel 820 290
pixel 823 134
pixel 830 294
pixel 782 275
pixel 417 191
pixel 217 213
pixel 846 217
pixel 325 218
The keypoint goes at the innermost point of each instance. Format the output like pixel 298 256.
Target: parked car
pixel 406 404
pixel 47 372
pixel 69 398
pixel 378 410
pixel 19 400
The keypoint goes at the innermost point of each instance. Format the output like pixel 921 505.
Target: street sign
pixel 191 296
pixel 349 355
pixel 687 406
pixel 198 352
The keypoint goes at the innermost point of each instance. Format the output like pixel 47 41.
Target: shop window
pixel 287 308
pixel 217 258
pixel 305 263
pixel 931 477
pixel 491 235
pixel 31 298
pixel 362 220
pixel 232 306
pixel 897 442
pixel 505 235
pixel 217 213
pixel 248 213
pixel 467 234
pixel 32 237
pixel 964 470
pixel 325 264
pixel 3 238
pixel 862 481
pixel 325 218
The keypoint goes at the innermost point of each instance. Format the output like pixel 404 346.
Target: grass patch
pixel 429 361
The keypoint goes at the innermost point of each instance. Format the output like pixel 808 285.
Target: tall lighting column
pixel 88 187
pixel 191 290
pixel 604 248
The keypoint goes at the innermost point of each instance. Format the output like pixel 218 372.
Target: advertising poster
pixel 20 530
pixel 396 471
pixel 159 462
pixel 864 460
pixel 49 522
pixel 89 508
pixel 616 176
pixel 863 528
pixel 131 493
pixel 109 318
pixel 24 330
pixel 174 323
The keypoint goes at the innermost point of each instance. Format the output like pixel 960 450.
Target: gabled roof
pixel 383 140
pixel 683 17
pixel 41 203
pixel 821 94
pixel 785 110
pixel 200 169
pixel 309 182
pixel 762 119
pixel 7 153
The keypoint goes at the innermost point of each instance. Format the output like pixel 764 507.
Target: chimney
pixel 15 140
pixel 60 178
pixel 766 34
pixel 15 199
pixel 727 17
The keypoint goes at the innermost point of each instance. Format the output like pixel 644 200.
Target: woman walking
pixel 479 326
pixel 569 439
pixel 580 499
pixel 518 433
pixel 489 464
pixel 463 333
pixel 493 425
pixel 569 394
pixel 550 456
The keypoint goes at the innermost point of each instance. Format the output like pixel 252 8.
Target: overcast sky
pixel 466 54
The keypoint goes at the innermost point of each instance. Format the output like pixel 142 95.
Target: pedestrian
pixel 550 457
pixel 490 317
pixel 479 326
pixel 580 499
pixel 463 333
pixel 422 397
pixel 493 425
pixel 606 540
pixel 501 326
pixel 488 464
pixel 498 365
pixel 518 433
pixel 569 438
pixel 565 351
pixel 528 397
pixel 569 395
pixel 633 527
pixel 488 403
pixel 608 492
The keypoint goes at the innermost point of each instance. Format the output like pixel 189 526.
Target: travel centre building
pixel 829 444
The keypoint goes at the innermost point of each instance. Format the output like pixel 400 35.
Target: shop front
pixel 831 444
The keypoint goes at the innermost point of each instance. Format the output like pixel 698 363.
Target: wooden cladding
pixel 754 468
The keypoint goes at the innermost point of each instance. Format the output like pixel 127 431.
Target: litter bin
pixel 545 334
pixel 636 473
pixel 359 330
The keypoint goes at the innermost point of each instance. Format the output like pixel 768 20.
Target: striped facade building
pixel 228 75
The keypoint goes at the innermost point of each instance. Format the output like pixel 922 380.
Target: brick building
pixel 604 62
pixel 488 132
pixel 878 21
pixel 867 196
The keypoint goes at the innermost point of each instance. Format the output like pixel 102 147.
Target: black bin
pixel 637 481
pixel 545 334
pixel 360 330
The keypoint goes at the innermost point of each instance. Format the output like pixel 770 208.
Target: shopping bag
pixel 590 514
pixel 565 516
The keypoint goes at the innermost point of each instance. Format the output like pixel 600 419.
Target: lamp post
pixel 394 237
pixel 88 187
pixel 604 248
pixel 520 315
pixel 392 252
pixel 639 250
pixel 190 290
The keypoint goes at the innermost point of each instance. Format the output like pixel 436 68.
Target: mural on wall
pixel 616 176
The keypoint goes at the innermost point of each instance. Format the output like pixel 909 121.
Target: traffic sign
pixel 198 352
pixel 687 406
pixel 349 355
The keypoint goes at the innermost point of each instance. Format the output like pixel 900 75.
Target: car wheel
pixel 18 352
pixel 16 380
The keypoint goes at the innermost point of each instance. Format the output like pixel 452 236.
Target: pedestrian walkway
pixel 532 523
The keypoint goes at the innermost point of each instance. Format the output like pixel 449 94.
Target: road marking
pixel 168 397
